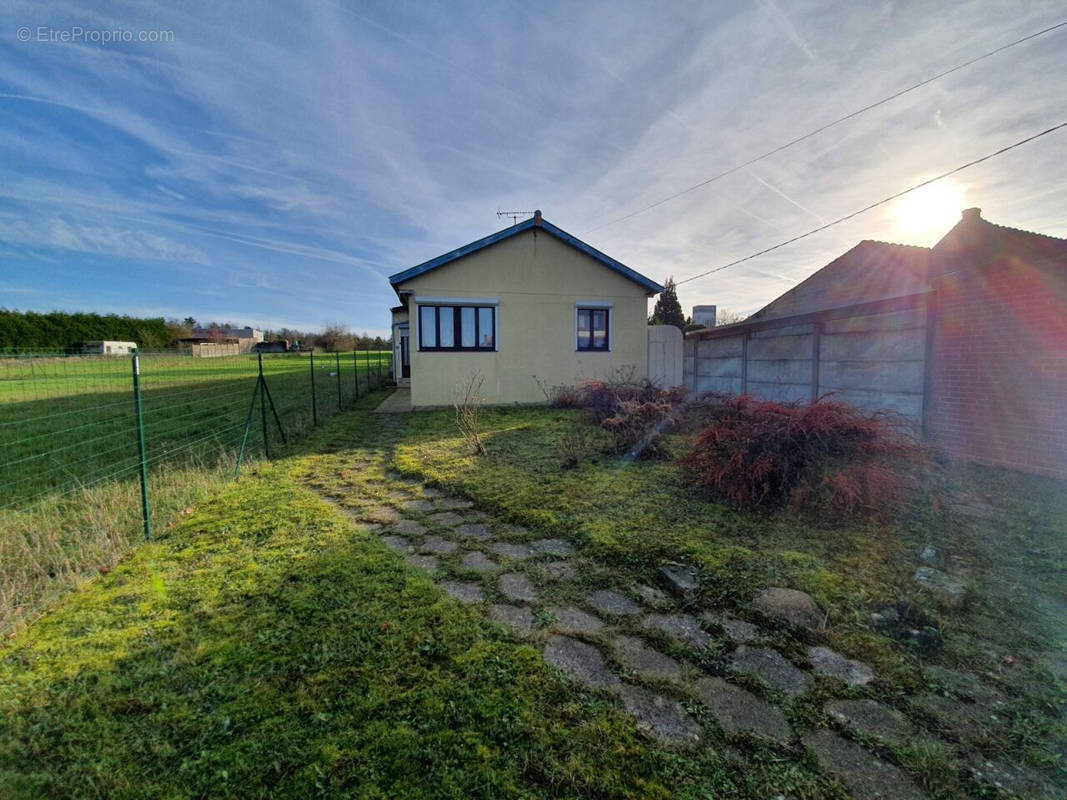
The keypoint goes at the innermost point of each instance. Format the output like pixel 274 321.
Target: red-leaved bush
pixel 826 456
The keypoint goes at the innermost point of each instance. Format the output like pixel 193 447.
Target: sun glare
pixel 923 216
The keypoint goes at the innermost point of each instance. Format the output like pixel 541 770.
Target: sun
pixel 925 215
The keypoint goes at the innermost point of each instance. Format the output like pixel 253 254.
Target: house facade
pixel 526 307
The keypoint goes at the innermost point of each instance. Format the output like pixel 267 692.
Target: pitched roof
pixel 973 243
pixel 536 222
pixel 869 271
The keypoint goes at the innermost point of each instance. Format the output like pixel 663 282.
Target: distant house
pixel 109 348
pixel 527 304
pixel 246 338
pixel 967 338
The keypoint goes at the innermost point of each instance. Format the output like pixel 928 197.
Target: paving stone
pixel 736 630
pixel 514 530
pixel 517 586
pixel 660 718
pixel 1011 778
pixel 474 530
pixel 639 657
pixel 683 627
pixel 557 571
pixel 382 514
pixel 425 563
pixel 865 777
pixel 948 590
pixel 962 684
pixel 409 527
pixel 871 719
pixel 515 552
pixel 418 506
pixel 553 547
pixel 653 597
pixel 581 661
pixel 430 493
pixel 447 519
pixel 398 543
pixel 828 662
pixel 608 601
pixel 476 516
pixel 681 579
pixel 452 504
pixel 972 722
pixel 518 617
pixel 771 667
pixel 740 711
pixel 573 620
pixel 397 494
pixel 789 605
pixel 479 562
pixel 464 592
pixel 437 545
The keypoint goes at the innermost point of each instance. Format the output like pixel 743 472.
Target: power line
pixel 828 125
pixel 881 202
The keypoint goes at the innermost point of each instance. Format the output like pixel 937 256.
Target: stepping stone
pixel 683 627
pixel 476 516
pixel 740 711
pixel 464 592
pixel 871 719
pixel 517 586
pixel 430 493
pixel 447 519
pixel 660 718
pixel 608 601
pixel 948 590
pixel 478 562
pixel 514 530
pixel 638 657
pixel 409 527
pixel 398 543
pixel 681 579
pixel 425 563
pixel 514 552
pixel 475 530
pixel 437 545
pixel 1011 778
pixel 518 617
pixel 828 662
pixel 557 571
pixel 969 721
pixel 418 506
pixel 653 597
pixel 382 514
pixel 553 547
pixel 865 777
pixel 396 494
pixel 736 630
pixel 962 684
pixel 581 661
pixel 789 605
pixel 771 667
pixel 573 620
pixel 452 504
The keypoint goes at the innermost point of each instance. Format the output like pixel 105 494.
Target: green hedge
pixel 59 330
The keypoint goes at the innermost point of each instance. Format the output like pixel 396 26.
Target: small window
pixel 593 329
pixel 457 328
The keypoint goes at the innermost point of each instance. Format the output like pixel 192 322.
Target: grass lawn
pixel 269 646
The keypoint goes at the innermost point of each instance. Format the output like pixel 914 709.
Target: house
pixel 526 307
pixel 246 338
pixel 109 348
pixel 968 339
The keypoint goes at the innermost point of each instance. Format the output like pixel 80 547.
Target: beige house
pixel 525 305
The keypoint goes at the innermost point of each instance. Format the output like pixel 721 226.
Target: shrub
pixel 576 445
pixel 467 402
pixel 637 426
pixel 826 456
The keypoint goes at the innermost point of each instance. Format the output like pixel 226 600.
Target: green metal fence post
pixel 146 511
pixel 314 406
pixel 263 408
pixel 244 438
pixel 337 356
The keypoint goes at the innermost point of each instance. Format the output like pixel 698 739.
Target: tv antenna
pixel 515 215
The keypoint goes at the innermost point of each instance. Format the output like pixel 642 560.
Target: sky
pixel 272 163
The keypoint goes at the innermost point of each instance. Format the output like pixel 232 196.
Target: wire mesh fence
pixel 68 423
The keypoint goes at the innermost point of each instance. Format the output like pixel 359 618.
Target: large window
pixel 593 329
pixel 457 327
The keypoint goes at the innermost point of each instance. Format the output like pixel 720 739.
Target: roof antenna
pixel 515 215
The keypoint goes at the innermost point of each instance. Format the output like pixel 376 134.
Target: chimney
pixel 537 218
pixel 704 315
pixel 971 214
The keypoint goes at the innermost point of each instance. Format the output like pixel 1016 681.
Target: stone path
pixel 670 669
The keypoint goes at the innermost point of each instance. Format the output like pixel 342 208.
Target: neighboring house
pixel 967 338
pixel 109 348
pixel 524 305
pixel 246 338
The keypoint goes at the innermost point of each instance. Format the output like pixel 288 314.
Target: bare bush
pixel 467 401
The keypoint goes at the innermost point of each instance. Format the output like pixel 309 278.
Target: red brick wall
pixel 998 390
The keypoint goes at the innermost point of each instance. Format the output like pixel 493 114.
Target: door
pixel 405 356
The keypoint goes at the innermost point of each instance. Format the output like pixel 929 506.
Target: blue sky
pixel 271 163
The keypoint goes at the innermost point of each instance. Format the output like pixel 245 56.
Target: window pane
pixel 427 327
pixel 447 331
pixel 485 327
pixel 466 326
pixel 600 330
pixel 583 319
